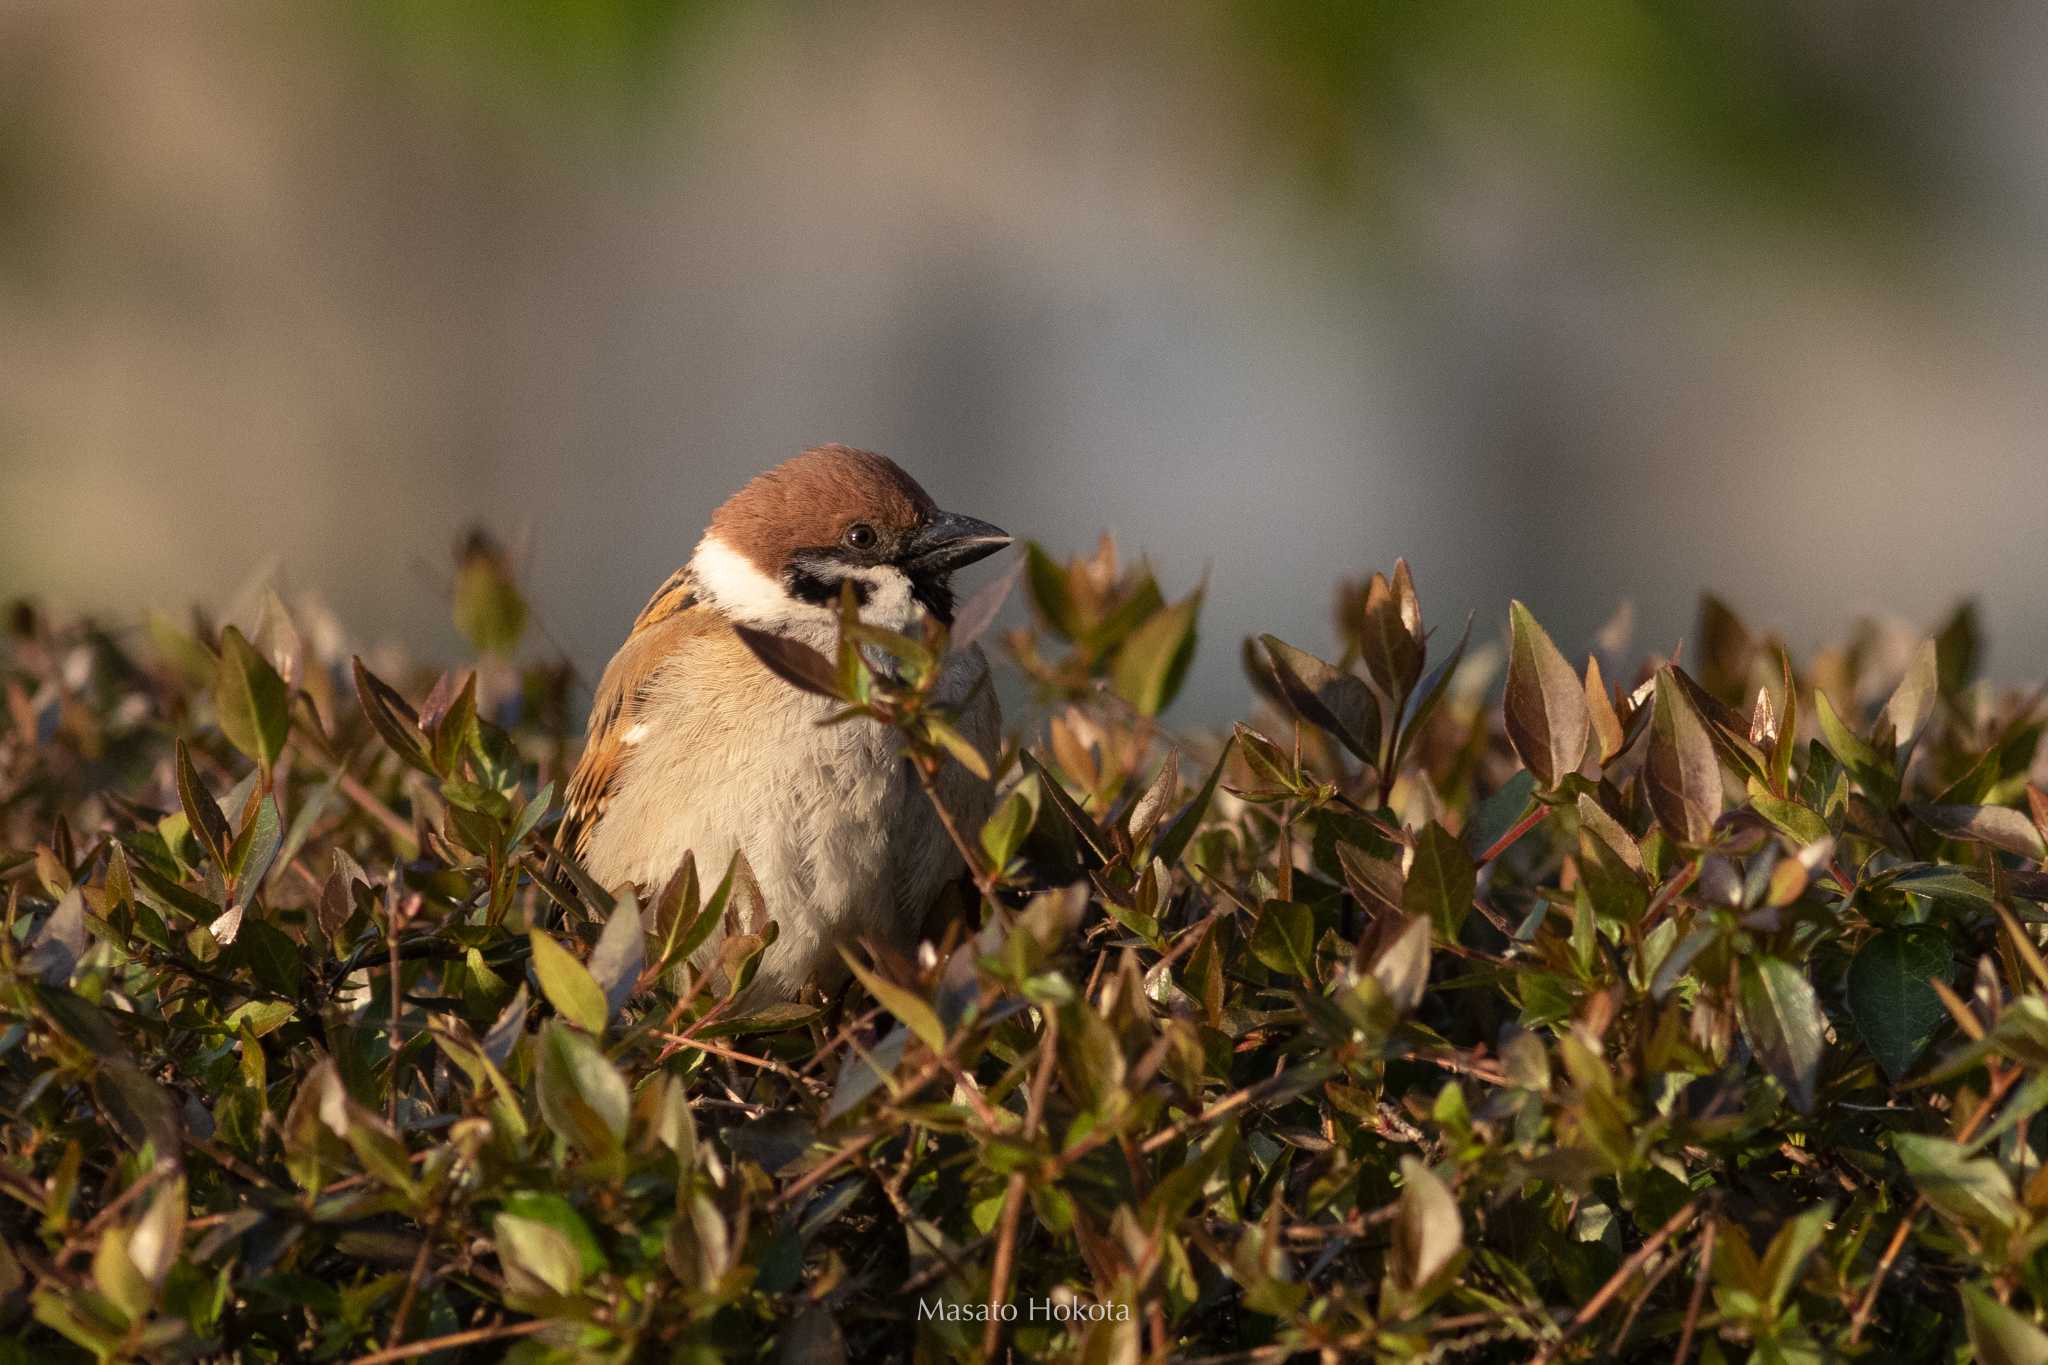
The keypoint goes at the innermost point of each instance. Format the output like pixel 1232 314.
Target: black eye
pixel 860 536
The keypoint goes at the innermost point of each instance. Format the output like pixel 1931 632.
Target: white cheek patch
pixel 635 734
pixel 891 603
pixel 744 593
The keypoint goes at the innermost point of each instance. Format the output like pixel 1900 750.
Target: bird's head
pixel 778 551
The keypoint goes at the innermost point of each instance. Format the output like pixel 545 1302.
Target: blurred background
pixel 1569 302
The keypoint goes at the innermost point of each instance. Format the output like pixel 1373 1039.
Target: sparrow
pixel 695 747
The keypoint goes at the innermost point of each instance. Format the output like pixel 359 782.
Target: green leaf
pixel 539 1258
pixel 261 1017
pixel 567 984
pixel 255 848
pixel 1005 830
pixel 545 1206
pixel 1785 1260
pixel 1084 824
pixel 582 1095
pixel 1998 774
pixel 1429 693
pixel 202 812
pixel 1790 818
pixel 251 701
pixel 1998 1335
pixel 1681 773
pixel 272 955
pixel 958 745
pixel 1781 1017
pixel 1545 708
pixel 489 609
pixel 1174 842
pixel 1895 1009
pixel 1879 783
pixel 1975 1191
pixel 1150 665
pixel 907 1005
pixel 1429 1231
pixel 393 718
pixel 1937 882
pixel 620 953
pixel 1611 864
pixel 1049 592
pixel 455 731
pixel 1442 879
pixel 1500 812
pixel 1284 938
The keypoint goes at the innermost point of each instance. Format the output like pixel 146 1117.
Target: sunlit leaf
pixel 1547 720
pixel 251 701
pixel 568 984
pixel 1680 772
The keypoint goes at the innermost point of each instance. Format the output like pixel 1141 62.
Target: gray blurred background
pixel 1570 302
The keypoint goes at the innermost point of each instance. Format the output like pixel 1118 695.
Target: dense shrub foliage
pixel 1464 1003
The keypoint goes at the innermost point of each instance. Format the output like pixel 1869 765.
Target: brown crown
pixel 809 501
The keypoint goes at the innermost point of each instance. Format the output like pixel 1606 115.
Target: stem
pixel 1699 1291
pixel 927 778
pixel 1507 841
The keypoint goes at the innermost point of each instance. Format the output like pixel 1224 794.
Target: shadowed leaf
pixel 1781 1017
pixel 793 661
pixel 1441 881
pixel 1333 701
pixel 1895 1009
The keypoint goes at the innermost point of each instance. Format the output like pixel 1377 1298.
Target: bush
pixel 1705 1013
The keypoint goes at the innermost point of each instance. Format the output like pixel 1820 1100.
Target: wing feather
pixel 673 615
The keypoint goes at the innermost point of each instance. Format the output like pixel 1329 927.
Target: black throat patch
pixel 935 594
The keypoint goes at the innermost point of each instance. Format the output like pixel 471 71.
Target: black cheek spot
pixel 818 590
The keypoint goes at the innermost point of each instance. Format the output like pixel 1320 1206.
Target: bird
pixel 694 747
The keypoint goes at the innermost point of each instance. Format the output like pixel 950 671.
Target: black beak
pixel 949 541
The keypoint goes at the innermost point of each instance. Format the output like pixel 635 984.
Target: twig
pixel 91 1231
pixel 474 1335
pixel 1699 1291
pixel 1628 1322
pixel 377 810
pixel 2000 1083
pixel 412 1287
pixel 719 1050
pixel 1013 1196
pixel 1605 1294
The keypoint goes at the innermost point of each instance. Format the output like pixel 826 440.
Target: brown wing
pixel 671 616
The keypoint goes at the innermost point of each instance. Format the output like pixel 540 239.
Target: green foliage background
pixel 1669 1010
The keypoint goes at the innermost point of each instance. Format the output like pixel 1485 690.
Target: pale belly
pixel 834 824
